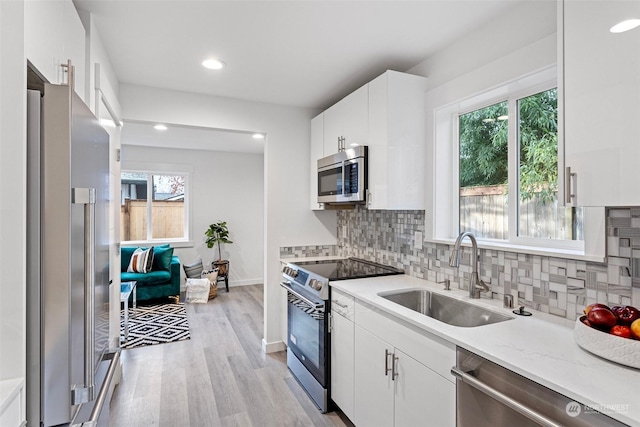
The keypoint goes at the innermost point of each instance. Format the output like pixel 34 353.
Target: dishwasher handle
pixel 503 398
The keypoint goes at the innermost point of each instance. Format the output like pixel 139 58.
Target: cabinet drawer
pixel 428 349
pixel 342 303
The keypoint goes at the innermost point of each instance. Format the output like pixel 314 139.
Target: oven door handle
pixel 313 304
pixel 503 398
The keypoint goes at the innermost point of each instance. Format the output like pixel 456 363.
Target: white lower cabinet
pixel 342 351
pixel 392 388
pixel 374 390
pixel 422 396
pixel 342 363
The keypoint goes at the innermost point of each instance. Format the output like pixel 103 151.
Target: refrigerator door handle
pixel 87 197
pixel 103 393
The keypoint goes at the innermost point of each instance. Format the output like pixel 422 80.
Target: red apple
pixel 621 331
pixel 590 307
pixel 602 318
pixel 626 314
pixel 584 320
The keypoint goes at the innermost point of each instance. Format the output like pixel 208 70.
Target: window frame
pixel 151 172
pixel 511 92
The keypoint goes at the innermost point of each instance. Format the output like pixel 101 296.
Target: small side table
pixel 126 289
pixel 223 271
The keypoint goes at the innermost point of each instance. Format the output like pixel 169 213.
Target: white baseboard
pixel 245 282
pixel 232 284
pixel 273 347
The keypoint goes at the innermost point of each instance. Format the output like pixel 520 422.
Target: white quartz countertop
pixel 540 347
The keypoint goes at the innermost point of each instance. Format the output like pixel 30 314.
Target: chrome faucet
pixel 474 283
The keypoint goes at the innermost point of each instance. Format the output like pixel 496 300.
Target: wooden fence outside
pixel 168 219
pixel 483 211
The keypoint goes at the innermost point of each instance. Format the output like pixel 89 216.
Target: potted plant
pixel 218 233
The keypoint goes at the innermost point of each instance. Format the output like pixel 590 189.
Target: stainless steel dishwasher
pixel 489 395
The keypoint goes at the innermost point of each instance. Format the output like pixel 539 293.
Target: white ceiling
pixel 304 53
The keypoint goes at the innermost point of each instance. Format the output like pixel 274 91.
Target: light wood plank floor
pixel 220 377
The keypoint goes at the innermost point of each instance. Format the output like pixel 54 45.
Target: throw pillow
pixel 141 261
pixel 162 258
pixel 212 275
pixel 193 270
pixel 125 257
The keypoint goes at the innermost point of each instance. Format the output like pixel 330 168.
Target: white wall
pixel 12 190
pixel 522 25
pixel 224 187
pixel 288 220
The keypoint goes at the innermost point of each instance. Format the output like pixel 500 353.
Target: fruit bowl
pixel 624 351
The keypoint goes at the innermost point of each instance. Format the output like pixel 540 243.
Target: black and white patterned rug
pixel 155 324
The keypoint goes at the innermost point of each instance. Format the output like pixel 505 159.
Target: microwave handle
pixel 344 176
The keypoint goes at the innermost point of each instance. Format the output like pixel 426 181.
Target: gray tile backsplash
pixel 308 251
pixel 552 285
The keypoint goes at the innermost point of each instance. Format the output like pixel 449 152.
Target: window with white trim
pixel 154 206
pixel 505 150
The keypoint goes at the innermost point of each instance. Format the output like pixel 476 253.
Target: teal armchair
pixel 162 281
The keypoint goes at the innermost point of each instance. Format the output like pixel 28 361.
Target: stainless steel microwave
pixel 342 177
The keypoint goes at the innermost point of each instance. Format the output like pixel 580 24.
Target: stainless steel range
pixel 307 285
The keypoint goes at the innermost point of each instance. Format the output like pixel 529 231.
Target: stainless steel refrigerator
pixel 69 365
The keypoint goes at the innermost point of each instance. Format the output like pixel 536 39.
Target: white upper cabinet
pixel 388 115
pixel 74 47
pixel 397 141
pixel 54 34
pixel 43 38
pixel 317 152
pixel 602 102
pixel 347 119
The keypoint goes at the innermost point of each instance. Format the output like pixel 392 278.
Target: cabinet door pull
pixel 394 371
pixel 69 69
pixel 345 306
pixel 569 179
pixel 386 363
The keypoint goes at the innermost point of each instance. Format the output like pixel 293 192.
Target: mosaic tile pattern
pixel 308 251
pixel 552 285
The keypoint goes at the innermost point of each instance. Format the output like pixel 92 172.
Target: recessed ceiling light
pixel 160 127
pixel 626 25
pixel 213 64
pixel 503 117
pixel 355 145
pixel 258 136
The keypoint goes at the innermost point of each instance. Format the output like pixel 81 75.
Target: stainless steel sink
pixel 445 309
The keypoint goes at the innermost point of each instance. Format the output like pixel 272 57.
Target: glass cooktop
pixel 348 268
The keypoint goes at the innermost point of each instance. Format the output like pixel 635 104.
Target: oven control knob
pixel 315 284
pixel 293 273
